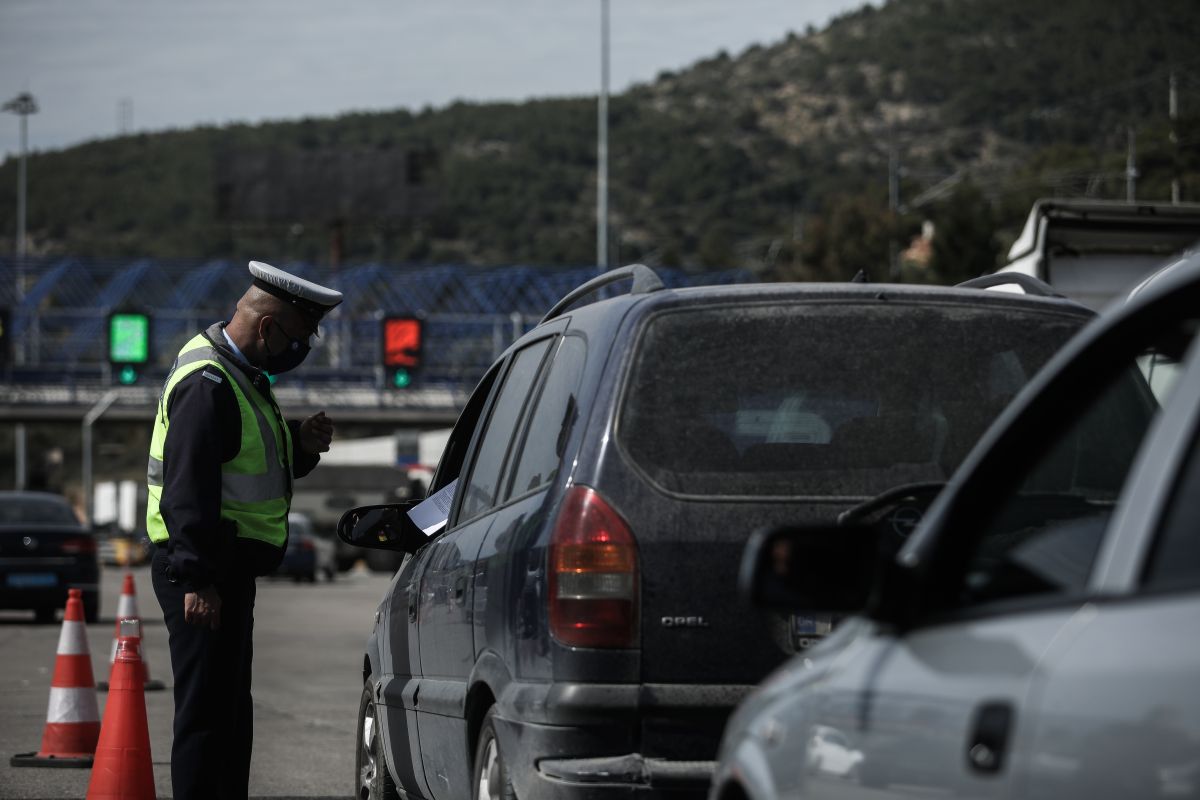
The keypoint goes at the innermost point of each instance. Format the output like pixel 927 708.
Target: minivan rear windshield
pixel 835 399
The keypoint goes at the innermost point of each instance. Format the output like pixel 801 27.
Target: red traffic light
pixel 401 342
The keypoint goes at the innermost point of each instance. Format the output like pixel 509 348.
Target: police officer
pixel 222 462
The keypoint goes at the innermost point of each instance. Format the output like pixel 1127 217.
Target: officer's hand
pixel 316 433
pixel 203 608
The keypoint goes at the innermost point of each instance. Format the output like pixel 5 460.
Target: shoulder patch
pixel 212 376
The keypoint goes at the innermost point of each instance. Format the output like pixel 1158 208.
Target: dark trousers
pixel 214 726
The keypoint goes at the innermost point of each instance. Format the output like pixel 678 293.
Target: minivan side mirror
pixel 386 527
pixel 818 569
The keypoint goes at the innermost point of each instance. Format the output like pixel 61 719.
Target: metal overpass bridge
pixel 416 408
pixel 54 349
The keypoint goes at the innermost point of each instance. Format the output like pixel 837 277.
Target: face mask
pixel 292 356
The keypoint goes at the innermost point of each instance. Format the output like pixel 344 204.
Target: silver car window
pixel 1175 560
pixel 1043 534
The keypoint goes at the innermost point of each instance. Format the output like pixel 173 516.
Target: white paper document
pixel 430 514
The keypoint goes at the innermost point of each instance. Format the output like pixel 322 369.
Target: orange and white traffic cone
pixel 73 718
pixel 123 768
pixel 127 609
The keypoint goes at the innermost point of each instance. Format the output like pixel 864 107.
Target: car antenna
pixel 861 277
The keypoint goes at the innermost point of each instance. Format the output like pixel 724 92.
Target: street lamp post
pixel 22 105
pixel 602 147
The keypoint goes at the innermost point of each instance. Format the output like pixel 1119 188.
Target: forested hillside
pixel 778 158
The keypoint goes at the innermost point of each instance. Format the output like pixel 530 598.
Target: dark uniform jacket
pixel 205 432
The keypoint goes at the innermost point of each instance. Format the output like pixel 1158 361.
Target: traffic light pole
pixel 21 465
pixel 89 419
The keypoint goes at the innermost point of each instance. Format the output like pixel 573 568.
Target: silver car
pixel 1036 635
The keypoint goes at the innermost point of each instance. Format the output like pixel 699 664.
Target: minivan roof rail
pixel 645 280
pixel 1028 283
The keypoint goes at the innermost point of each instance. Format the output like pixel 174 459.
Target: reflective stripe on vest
pixel 256 484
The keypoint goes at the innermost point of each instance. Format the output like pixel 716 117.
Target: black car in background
pixel 44 551
pixel 573 630
pixel 308 553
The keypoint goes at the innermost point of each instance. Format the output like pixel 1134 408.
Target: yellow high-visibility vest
pixel 256 485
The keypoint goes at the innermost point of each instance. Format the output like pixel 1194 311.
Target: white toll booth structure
pixel 368 471
pixel 1095 251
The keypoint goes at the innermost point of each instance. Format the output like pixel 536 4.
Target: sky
pixel 98 67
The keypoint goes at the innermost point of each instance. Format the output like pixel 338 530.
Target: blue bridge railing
pixel 57 308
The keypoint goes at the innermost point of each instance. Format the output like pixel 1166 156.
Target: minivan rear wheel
pixel 371 778
pixel 490 773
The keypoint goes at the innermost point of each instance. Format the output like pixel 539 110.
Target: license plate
pixel 810 625
pixel 32 580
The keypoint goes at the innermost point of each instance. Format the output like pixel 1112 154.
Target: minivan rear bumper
pixel 539 771
pixel 632 770
pixel 566 741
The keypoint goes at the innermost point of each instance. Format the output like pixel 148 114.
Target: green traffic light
pixel 129 338
pixel 127 376
pixel 401 378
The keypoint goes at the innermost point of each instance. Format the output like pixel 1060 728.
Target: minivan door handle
pixel 989 736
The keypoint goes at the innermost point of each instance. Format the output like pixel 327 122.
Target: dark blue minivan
pixel 573 629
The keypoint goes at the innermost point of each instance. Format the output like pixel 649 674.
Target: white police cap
pixel 310 299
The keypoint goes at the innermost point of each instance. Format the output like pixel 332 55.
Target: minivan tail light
pixel 593 574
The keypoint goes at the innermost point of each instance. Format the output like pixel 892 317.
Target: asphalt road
pixel 308 645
